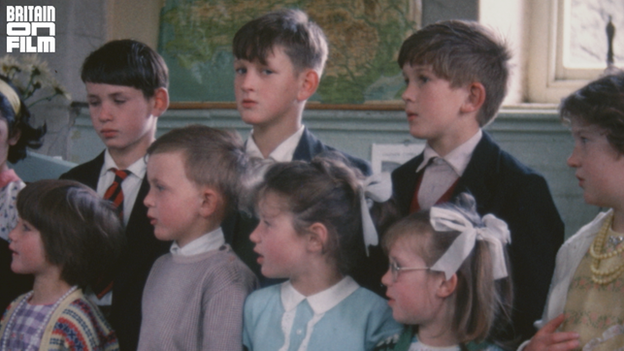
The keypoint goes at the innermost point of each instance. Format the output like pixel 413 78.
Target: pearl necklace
pixel 596 250
pixel 39 331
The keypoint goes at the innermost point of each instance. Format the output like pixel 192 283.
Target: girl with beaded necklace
pixel 448 279
pixel 585 308
pixel 65 237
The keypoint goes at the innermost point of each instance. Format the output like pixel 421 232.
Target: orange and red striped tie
pixel 114 193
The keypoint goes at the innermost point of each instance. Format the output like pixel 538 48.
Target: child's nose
pixel 572 160
pixel 248 81
pixel 254 237
pixel 387 278
pixel 148 201
pixel 12 234
pixel 408 94
pixel 104 113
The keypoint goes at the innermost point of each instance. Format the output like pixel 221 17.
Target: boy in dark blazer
pixel 456 74
pixel 126 84
pixel 279 59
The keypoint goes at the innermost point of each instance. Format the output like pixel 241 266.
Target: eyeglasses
pixel 395 269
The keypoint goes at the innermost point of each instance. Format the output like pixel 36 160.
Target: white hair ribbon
pixel 378 188
pixel 495 232
pixel 11 95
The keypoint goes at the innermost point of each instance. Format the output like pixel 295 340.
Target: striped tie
pixel 114 193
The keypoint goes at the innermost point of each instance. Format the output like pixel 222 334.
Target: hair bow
pixel 378 188
pixel 494 231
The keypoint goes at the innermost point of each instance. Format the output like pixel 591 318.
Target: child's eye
pixel 423 79
pixel 94 103
pixel 240 70
pixel 25 227
pixel 267 71
pixel 119 101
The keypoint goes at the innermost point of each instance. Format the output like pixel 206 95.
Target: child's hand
pixel 547 339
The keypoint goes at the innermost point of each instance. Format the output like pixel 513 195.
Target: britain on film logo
pixel 30 29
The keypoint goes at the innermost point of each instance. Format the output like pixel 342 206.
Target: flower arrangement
pixel 32 77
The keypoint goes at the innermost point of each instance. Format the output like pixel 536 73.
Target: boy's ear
pixel 210 202
pixel 447 287
pixel 15 137
pixel 317 237
pixel 161 101
pixel 309 82
pixel 475 99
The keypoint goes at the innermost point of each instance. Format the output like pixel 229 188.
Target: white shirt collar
pixel 283 152
pixel 458 159
pixel 138 168
pixel 320 302
pixel 208 242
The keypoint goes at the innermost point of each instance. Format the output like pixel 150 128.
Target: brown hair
pixel 303 40
pixel 212 157
pixel 600 103
pixel 482 306
pixel 462 52
pixel 81 233
pixel 129 63
pixel 322 191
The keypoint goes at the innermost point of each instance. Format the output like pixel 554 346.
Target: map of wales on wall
pixel 364 38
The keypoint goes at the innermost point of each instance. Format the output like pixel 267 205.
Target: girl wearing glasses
pixel 448 280
pixel 310 232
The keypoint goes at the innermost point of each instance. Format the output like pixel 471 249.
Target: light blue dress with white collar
pixel 343 317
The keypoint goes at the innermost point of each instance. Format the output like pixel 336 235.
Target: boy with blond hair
pixel 585 301
pixel 194 296
pixel 456 74
pixel 126 84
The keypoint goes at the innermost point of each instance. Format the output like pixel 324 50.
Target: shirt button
pixel 299 331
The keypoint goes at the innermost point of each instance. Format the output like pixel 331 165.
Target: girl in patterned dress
pixel 448 280
pixel 310 232
pixel 66 237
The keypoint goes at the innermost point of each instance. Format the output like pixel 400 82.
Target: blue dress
pixel 343 317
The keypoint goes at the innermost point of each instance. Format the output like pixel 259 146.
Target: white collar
pixel 138 168
pixel 208 242
pixel 320 302
pixel 458 158
pixel 283 152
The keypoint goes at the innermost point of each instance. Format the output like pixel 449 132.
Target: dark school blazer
pixel 238 227
pixel 142 250
pixel 520 196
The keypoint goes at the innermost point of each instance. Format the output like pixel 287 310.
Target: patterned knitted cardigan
pixel 76 324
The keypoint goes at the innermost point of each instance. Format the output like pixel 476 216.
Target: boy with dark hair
pixel 194 295
pixel 126 84
pixel 279 60
pixel 585 306
pixel 456 74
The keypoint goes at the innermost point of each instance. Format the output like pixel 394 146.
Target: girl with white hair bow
pixel 448 279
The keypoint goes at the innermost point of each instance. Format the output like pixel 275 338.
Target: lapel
pixel 308 147
pixel 91 172
pixel 404 182
pixel 138 216
pixel 480 173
